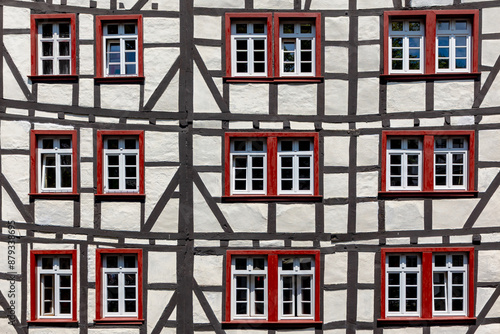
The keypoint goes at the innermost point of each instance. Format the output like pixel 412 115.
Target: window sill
pixel 273 79
pixel 436 193
pixel 52 321
pixel 119 80
pixel 119 321
pixel 120 196
pixel 60 195
pixel 277 198
pixel 271 324
pixel 433 76
pixel 70 78
pixel 416 321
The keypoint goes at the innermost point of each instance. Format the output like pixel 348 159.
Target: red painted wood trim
pixel 137 18
pixel 430 43
pixel 475 41
pixel 428 163
pixel 386 43
pixel 228 287
pixel 317 282
pixel 272 287
pixel 100 163
pixel 35 18
pixel 433 76
pixel 471 287
pixel 382 284
pixel 98 285
pixel 316 163
pixel 227 164
pixel 383 157
pixel 272 166
pixel 426 286
pixel 472 159
pixel 33 280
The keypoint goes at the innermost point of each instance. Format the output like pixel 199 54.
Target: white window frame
pixel 121 37
pixel 249 155
pixel 297 298
pixel 406 34
pixel 404 152
pixel 403 270
pixel 55 39
pixel 250 37
pixel 449 270
pixel 57 152
pixel 121 271
pixel 297 37
pixel 250 273
pixel 295 154
pixel 449 151
pixel 56 272
pixel 121 152
pixel 452 33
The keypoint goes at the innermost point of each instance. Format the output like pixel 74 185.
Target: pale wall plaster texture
pixel 452 214
pixel 366 4
pixel 365 303
pixel 327 4
pixel 423 3
pixel 58 213
pixel 161 30
pixel 295 218
pixel 367 217
pixel 335 218
pixel 120 216
pixel 368 96
pixel 335 185
pixel 335 268
pixel 297 99
pixel 488 150
pixel 336 103
pixel 16 18
pixel 208 270
pixel 249 99
pixel 335 300
pixel 157 301
pixel 55 93
pixel 336 151
pixel 485 271
pixel 204 219
pixel 490 20
pixel 203 98
pixel 164 273
pixel 16 169
pixel 207 27
pixel 15 135
pixel 368 58
pixel 155 74
pixel 220 3
pixel 251 217
pixel 206 150
pixel 366 268
pixel 407 215
pixel 367 184
pixel 451 95
pixel 368 150
pixel 336 59
pixel 408 96
pixel 368 28
pixel 336 28
pixel 161 146
pixel 273 4
pixel 120 97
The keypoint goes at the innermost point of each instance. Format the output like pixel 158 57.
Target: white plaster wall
pixel 336 99
pixel 365 298
pixel 368 58
pixel 59 213
pixel 157 301
pixel 111 331
pixel 335 306
pixel 86 26
pixel 273 4
pixel 336 28
pixel 16 18
pixel 335 185
pixel 86 174
pixel 488 150
pixel 423 3
pixel 16 168
pixel 9 209
pixel 85 92
pixel 366 4
pixel 336 59
pixel 161 30
pixel 367 150
pixel 328 4
pixel 15 134
pixel 246 217
pixel 488 329
pixel 450 95
pixel 249 98
pixel 368 96
pixel 156 182
pixel 18 47
pixel 366 268
pixel 211 56
pixel 367 217
pixel 336 151
pixel 86 142
pixel 452 213
pixel 121 97
pixel 295 218
pixel 169 100
pixel 407 330
pixel 164 273
pixel 404 215
pixel 161 146
pixel 489 55
pixel 297 99
pixel 335 218
pixel 368 28
pixel 489 215
pixel 335 268
pixel 155 70
pixel 220 3
pixel 87 210
pixel 204 219
pixel 204 100
pixel 208 27
pixel 55 330
pixel 169 218
pixel 206 151
pixel 55 93
pixel 406 96
pixel 482 297
pixel 448 329
pixel 120 216
pixel 213 182
pixel 86 58
pixel 208 270
pixel 490 20
pixel 367 184
pixel 485 176
pixel 486 272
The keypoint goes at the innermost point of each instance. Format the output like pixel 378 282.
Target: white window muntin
pixel 249 49
pixel 254 180
pixel 249 288
pixel 54 49
pixel 118 282
pixel 453 45
pixel 449 284
pixel 120 43
pixel 298 49
pixel 403 285
pixel 404 162
pixel 298 161
pixel 121 173
pixel 296 287
pixel 55 286
pixel 55 164
pixel 406 46
pixel 451 163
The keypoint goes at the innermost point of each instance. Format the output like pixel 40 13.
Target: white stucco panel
pixel 208 27
pixel 249 99
pixel 246 217
pixel 54 330
pixel 15 135
pixel 297 99
pixel 452 213
pixel 336 59
pixel 109 330
pixel 485 176
pixel 85 93
pixel 86 57
pixel 16 168
pixel 449 329
pixel 204 219
pixel 87 210
pixel 368 150
pixel 161 146
pixel 486 272
pixel 164 273
pixel 155 74
pixel 169 218
pixel 492 99
pixel 9 209
pixel 366 268
pixel 335 218
pixel 157 180
pixel 295 218
pixel 368 96
pixel 16 18
pixel 489 215
pixel 157 301
pixel 169 100
pixel 405 96
pixel 208 270
pixel 407 330
pixel 336 151
pixel 337 28
pixel 19 48
pixel 489 52
pixel 213 182
pixel 404 215
pixel 204 100
pixel 365 298
pixel 335 268
pixel 368 28
pixel 337 95
pixel 328 4
pixel 273 4
pixel 490 20
pixel 206 151
pixel 335 305
pixel 483 295
pixel 488 329
pixel 367 184
pixel 55 93
pixel 121 216
pixel 456 94
pixel 211 56
pixel 220 3
pixel 121 97
pixel 366 4
pixel 488 148
pixel 367 217
pixel 368 58
pixel 86 26
pixel 58 213
pixel 161 30
pixel 335 185
pixel 424 3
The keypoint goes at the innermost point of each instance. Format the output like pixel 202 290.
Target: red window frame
pixel 272 166
pixel 98 286
pixel 100 161
pixel 430 18
pixel 35 134
pixel 428 164
pixel 426 283
pixel 34 285
pixel 273 285
pixel 36 19
pixel 272 22
pixel 100 21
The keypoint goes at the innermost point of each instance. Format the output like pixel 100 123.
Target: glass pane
pixel 304 185
pixel 457 305
pixel 130 57
pixel 111 261
pixel 113 306
pixel 287 295
pixel 458 158
pixel 113 184
pixel 130 293
pixel 304 145
pixel 397 53
pixel 411 279
pixel 395 170
pixel 395 181
pixel 461 52
pixel 130 184
pixel 241 44
pixel 259 44
pixel 461 63
pixel 414 53
pixel 47 49
pixel 414 42
pixel 64 66
pixel 130 45
pixel 306 44
pixel 129 28
pixel 460 41
pixel 411 306
pixel 113 172
pixel 48 281
pixel 258 28
pixel 130 306
pixel 413 144
pixel 412 181
pixel 306 67
pixel 239 145
pixel 112 293
pixel 397 26
pixel 444 63
pixel 439 291
pixel 414 64
pixel 288 28
pixel 130 144
pixel 443 25
pixel 440 170
pixel 64 263
pixel 241 281
pixel 394 292
pixel 413 170
pixel 304 173
pixel 129 261
pixel 241 28
pixel 411 292
pixel 114 69
pixel 257 56
pixel 130 171
pixel 65 308
pixel 286 185
pixel 241 308
pixel 397 42
pixel 258 264
pixel 396 143
pixel 394 305
pixel 286 161
pixel 458 169
pixel 305 28
pixel 290 47
pixel 129 279
pixel 286 145
pixel 394 261
pixel 240 264
pixel 240 173
pixel 461 25
pixel 47 30
pixel 457 291
pixel 47 307
pixel 411 261
pixel 394 279
pixel 412 159
pixel 112 279
pixel 47 262
pixel 130 160
pixel 440 158
pixel 439 305
pixel 414 26
pixel 257 173
pixel 305 264
pixel 241 295
pixel 257 145
pixel 440 180
pixel 457 278
pixel 112 29
pixel 457 260
pixel 287 264
pixel 257 161
pixel 259 283
pixel 130 69
pixel 304 161
pixel 240 185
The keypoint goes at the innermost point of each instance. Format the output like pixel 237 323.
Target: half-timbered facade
pixel 250 166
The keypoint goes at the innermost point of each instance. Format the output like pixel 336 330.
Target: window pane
pixel 414 26
pixel 460 63
pixel 47 49
pixel 457 305
pixel 112 293
pixel 411 306
pixel 258 264
pixel 129 261
pixel 240 185
pixel 258 28
pixel 306 67
pixel 414 64
pixel 457 278
pixel 439 291
pixel 65 308
pixel 47 262
pixel 396 143
pixel 460 41
pixel 457 291
pixel 257 185
pixel 112 29
pixel 47 30
pixel 241 295
pixel 112 279
pixel 130 306
pixel 50 177
pixel 64 30
pixel 286 145
pixel 64 48
pixel 240 264
pixel 113 184
pixel 111 261
pixel 414 42
pixel 131 184
pixel 397 26
pixel 129 279
pixel 130 293
pixel 241 308
pixel 394 261
pixel 258 162
pixel 305 264
pixel 397 42
pixel 411 261
pixel 130 171
pixel 129 28
pixel 288 28
pixel 130 144
pixel 112 306
pixel 241 281
pixel 444 63
pixel 286 185
pixel 440 260
pixel 411 292
pixel 130 160
pixel 394 292
pixel 393 279
pixel 239 145
pixel 286 161
pixel 287 264
pixel 113 172
pixel 112 144
pixel 305 28
pixel 64 66
pixel 444 25
pixel 241 28
pixel 65 294
pixel 394 305
pixel 439 305
pixel 304 145
pixel 457 260
pixel 257 145
pixel 461 25
pixel 64 263
pixel 411 279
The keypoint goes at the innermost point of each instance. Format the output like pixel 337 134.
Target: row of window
pixel 416 42
pixel 262 285
pixel 262 164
